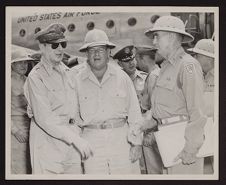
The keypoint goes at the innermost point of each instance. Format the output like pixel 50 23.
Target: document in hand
pixel 170 140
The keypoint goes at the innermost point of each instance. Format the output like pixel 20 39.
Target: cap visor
pixel 58 41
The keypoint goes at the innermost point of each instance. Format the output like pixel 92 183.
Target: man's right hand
pixel 21 136
pixel 84 148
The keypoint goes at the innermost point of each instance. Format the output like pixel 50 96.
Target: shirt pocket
pixel 165 84
pixel 165 92
pixel 56 96
pixel 118 100
pixel 88 104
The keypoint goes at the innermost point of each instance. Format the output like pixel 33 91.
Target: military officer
pixel 151 162
pixel 20 159
pixel 126 59
pixel 179 90
pixel 204 53
pixel 108 101
pixel 144 55
pixel 55 144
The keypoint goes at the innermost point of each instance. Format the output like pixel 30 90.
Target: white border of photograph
pixel 20 10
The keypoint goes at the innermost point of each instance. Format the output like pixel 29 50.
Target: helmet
pixel 204 47
pixel 170 24
pixel 20 54
pixel 96 37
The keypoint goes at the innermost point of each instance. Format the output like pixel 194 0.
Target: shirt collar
pixel 49 67
pixel 137 74
pixel 178 53
pixel 88 72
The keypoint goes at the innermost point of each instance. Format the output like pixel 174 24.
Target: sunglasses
pixel 56 45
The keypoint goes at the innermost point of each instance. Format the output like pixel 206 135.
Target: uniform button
pixel 71 121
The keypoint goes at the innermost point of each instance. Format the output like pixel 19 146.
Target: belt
pixel 154 129
pixel 67 120
pixel 109 124
pixel 171 120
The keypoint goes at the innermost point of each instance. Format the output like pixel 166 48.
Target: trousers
pixel 20 156
pixel 150 162
pixel 52 156
pixel 111 152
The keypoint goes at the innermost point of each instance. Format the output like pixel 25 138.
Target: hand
pixel 84 148
pixel 21 136
pixel 135 130
pixel 135 153
pixel 149 139
pixel 148 124
pixel 187 158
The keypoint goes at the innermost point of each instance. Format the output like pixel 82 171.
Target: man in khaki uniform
pixel 55 144
pixel 126 59
pixel 179 90
pixel 151 162
pixel 125 55
pixel 20 158
pixel 204 53
pixel 110 110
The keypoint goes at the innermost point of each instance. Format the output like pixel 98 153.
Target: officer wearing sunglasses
pixel 55 144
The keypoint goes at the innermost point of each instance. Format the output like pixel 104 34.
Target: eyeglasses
pixel 56 45
pixel 93 51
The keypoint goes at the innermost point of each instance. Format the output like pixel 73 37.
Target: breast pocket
pixel 88 104
pixel 165 84
pixel 56 96
pixel 165 92
pixel 118 99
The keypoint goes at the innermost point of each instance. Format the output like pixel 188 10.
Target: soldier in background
pixel 55 144
pixel 126 59
pixel 179 90
pixel 151 162
pixel 204 53
pixel 20 123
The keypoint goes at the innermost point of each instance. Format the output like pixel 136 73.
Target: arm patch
pixel 190 68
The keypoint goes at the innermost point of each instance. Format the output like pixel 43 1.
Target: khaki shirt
pixel 209 81
pixel 209 93
pixel 113 98
pixel 18 101
pixel 52 100
pixel 138 81
pixel 148 88
pixel 179 91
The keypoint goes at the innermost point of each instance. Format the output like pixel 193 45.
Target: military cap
pixel 125 54
pixel 54 33
pixel 145 49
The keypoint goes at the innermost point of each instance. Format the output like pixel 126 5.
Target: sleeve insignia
pixel 190 68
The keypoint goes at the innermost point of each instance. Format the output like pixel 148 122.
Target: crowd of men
pixel 101 119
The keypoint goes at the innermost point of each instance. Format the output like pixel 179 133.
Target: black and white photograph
pixel 112 93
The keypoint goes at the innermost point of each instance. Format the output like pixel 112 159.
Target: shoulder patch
pixel 190 68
